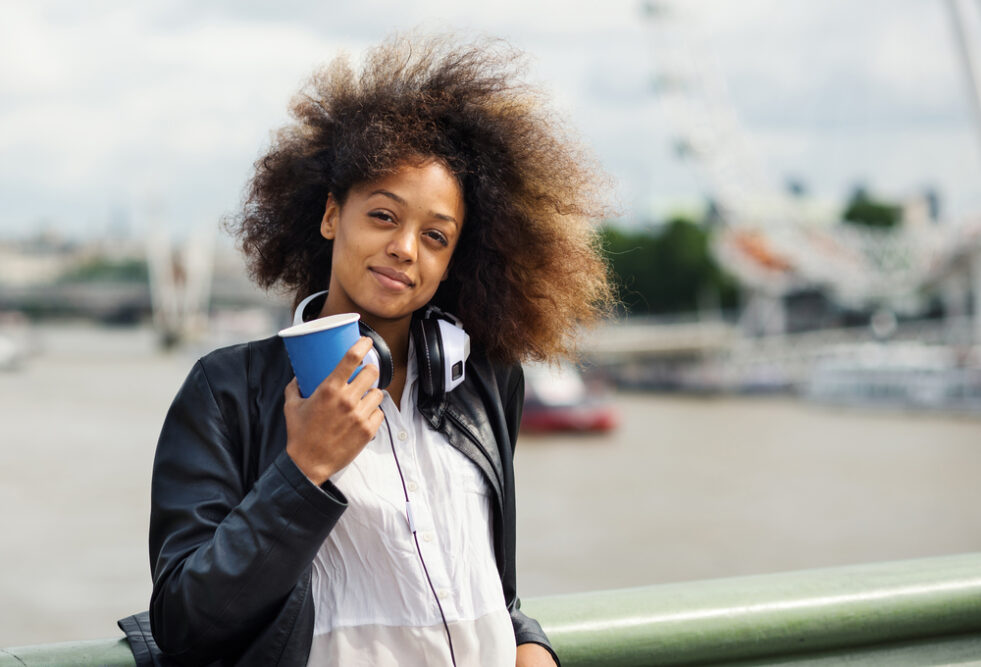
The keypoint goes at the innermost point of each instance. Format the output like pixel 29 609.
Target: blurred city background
pixel 793 379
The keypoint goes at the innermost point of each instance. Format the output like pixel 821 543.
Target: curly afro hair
pixel 527 272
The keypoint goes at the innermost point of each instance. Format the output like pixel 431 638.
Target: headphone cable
pixel 415 537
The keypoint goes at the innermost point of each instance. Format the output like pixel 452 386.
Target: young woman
pixel 361 526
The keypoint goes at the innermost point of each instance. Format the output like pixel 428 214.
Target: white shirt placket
pixel 430 545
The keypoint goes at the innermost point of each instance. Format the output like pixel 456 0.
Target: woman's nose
pixel 403 245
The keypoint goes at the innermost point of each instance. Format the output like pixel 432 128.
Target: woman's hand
pixel 326 431
pixel 533 655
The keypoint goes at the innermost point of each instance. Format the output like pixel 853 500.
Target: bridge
pixel 714 355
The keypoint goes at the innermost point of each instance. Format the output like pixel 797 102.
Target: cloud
pixel 835 61
pixel 109 101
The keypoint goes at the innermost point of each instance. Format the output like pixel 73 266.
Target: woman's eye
pixel 439 237
pixel 382 215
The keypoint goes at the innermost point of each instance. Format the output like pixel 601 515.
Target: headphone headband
pixel 432 310
pixel 298 315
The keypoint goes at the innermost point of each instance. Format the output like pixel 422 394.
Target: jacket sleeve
pixel 526 629
pixel 224 557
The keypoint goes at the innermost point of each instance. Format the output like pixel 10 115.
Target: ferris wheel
pixel 772 241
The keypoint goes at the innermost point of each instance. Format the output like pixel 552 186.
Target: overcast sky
pixel 151 113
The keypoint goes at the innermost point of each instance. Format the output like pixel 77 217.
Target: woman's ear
pixel 328 225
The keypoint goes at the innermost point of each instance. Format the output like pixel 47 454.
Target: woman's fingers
pixel 351 359
pixel 291 395
pixel 365 378
pixel 326 432
pixel 375 419
pixel 345 368
pixel 372 400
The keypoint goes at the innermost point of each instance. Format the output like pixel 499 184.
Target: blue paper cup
pixel 316 347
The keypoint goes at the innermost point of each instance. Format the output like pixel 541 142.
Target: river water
pixel 687 488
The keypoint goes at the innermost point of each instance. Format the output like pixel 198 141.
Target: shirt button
pixel 403 435
pixel 413 486
pixel 427 537
pixel 442 594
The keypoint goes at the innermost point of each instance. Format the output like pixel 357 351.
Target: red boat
pixel 557 399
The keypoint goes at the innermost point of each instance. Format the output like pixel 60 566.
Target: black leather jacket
pixel 235 525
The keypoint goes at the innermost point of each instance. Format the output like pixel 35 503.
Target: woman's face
pixel 393 241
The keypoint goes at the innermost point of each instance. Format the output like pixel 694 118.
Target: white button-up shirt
pixel 373 604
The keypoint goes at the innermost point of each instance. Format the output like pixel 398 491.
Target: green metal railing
pixel 863 611
pixel 919 612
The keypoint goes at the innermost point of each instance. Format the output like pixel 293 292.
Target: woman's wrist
pixel 316 473
pixel 531 654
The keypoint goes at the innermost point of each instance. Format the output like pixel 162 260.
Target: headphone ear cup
pixel 429 356
pixel 385 366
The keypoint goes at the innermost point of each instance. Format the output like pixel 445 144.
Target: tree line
pixel 669 268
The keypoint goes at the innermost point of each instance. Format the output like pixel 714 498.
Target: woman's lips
pixel 391 278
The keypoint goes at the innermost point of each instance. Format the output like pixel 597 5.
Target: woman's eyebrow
pixel 443 216
pixel 395 197
pixel 390 195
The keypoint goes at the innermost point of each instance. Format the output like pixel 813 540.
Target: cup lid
pixel 320 324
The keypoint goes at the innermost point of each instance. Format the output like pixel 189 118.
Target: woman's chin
pixel 390 309
pixel 385 312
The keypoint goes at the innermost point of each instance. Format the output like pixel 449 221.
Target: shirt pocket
pixel 470 478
